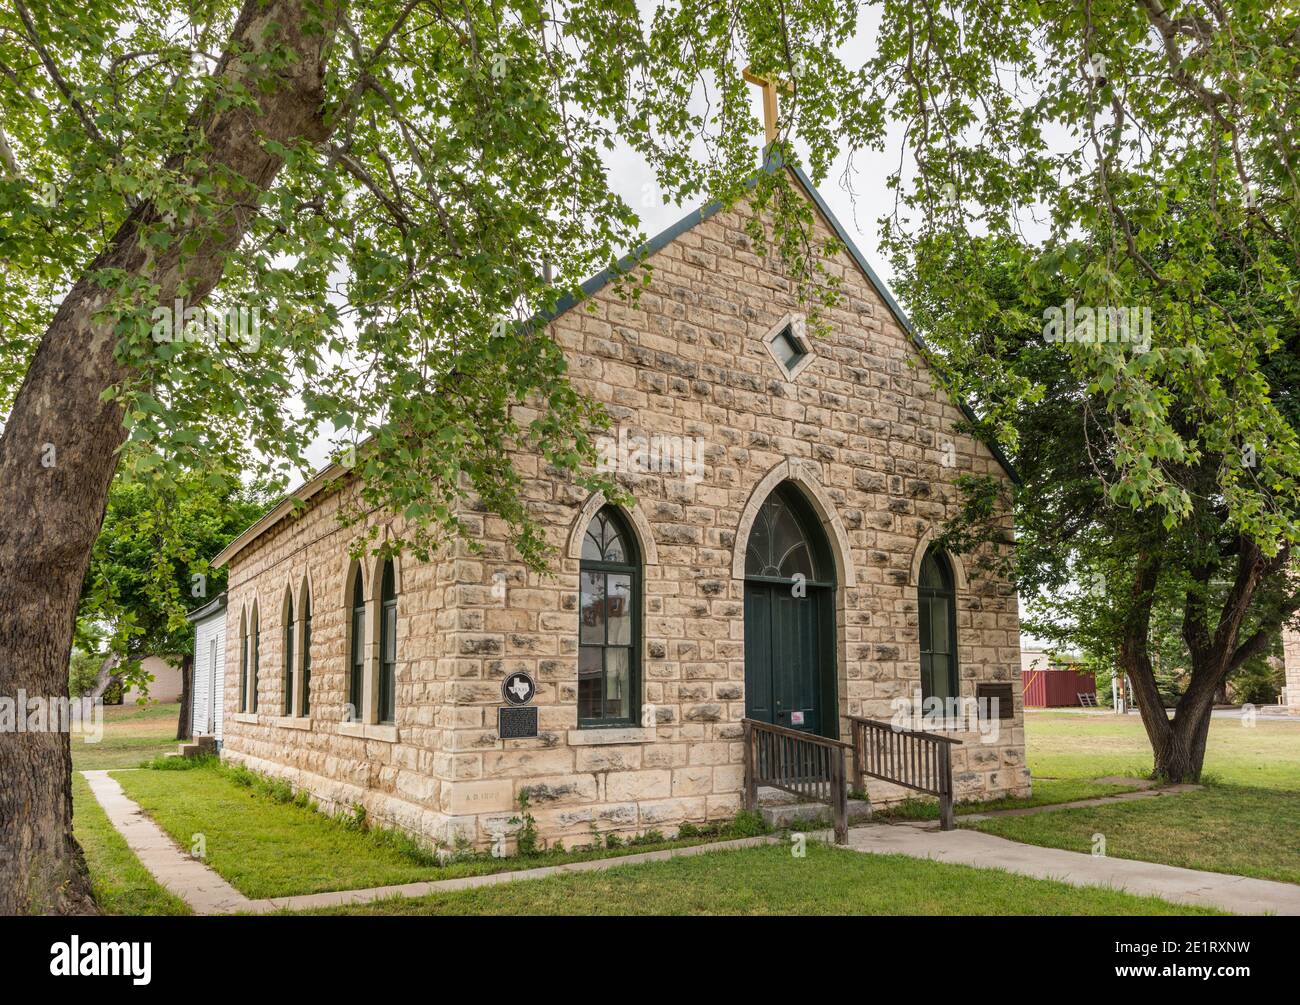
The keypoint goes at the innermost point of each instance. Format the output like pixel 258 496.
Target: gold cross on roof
pixel 770 86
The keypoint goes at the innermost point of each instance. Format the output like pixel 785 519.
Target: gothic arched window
pixel 937 619
pixel 357 657
pixel 289 629
pixel 780 546
pixel 388 646
pixel 609 624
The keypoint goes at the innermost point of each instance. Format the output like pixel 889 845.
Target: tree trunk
pixel 184 730
pixel 1181 757
pixel 1215 655
pixel 105 678
pixel 59 448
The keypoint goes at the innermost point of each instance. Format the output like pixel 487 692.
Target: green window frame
pixel 357 658
pixel 288 656
pixel 388 646
pixel 609 624
pixel 937 626
pixel 306 654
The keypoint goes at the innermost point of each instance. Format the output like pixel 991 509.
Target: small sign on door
pixel 796 718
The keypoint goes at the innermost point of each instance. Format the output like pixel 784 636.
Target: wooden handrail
pixel 911 758
pixel 911 732
pixel 799 734
pixel 803 764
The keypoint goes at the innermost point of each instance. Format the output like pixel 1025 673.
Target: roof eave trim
pixel 277 512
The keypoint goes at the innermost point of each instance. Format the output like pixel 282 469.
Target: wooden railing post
pixel 946 820
pixel 859 779
pixel 751 787
pixel 839 797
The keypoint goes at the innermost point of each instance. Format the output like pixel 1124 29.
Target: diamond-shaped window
pixel 789 345
pixel 786 349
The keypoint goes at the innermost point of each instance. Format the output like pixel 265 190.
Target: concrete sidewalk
pixel 1238 894
pixel 335 898
pixel 183 875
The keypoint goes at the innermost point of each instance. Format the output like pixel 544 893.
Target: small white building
pixel 209 668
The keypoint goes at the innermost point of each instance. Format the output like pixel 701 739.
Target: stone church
pixel 776 565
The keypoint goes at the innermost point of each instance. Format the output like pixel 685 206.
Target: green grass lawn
pixel 273 847
pixel 1245 821
pixel 132 733
pixel 770 880
pixel 1073 746
pixel 122 885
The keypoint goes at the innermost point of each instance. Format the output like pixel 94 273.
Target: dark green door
pixel 783 679
pixel 789 617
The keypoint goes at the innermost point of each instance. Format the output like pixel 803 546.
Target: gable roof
pixel 327 474
pixel 698 216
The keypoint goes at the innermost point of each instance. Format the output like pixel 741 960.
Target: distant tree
pixel 1179 602
pixel 150 566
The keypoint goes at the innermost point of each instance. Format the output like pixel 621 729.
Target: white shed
pixel 209 667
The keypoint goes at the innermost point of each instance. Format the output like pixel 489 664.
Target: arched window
pixel 306 653
pixel 388 646
pixel 780 545
pixel 609 624
pixel 256 657
pixel 289 628
pixel 243 662
pixel 937 618
pixel 357 661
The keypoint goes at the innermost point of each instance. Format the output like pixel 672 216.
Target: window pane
pixel 618 607
pixel 591 691
pixel 759 547
pixel 358 661
pixel 390 633
pixel 777 545
pixel 934 571
pixel 614 551
pixel 785 348
pixel 940 685
pixel 306 664
pixel 591 551
pixel 603 541
pixel 924 607
pixel 939 625
pixel 796 562
pixel 617 683
pixel 592 611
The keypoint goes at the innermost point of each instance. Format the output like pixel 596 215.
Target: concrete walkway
pixel 185 876
pixel 1146 792
pixel 334 899
pixel 1238 894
